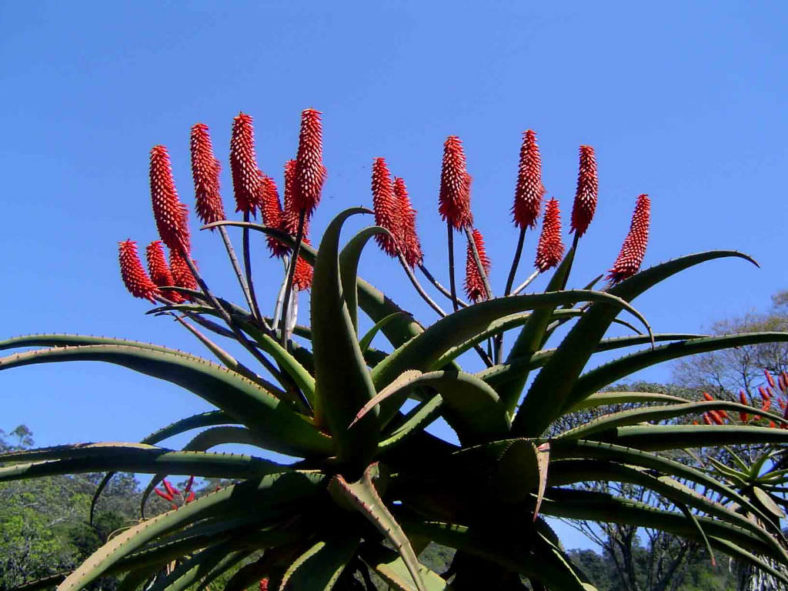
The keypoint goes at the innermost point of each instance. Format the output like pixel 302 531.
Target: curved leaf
pixel 415 421
pixel 348 268
pixel 284 430
pixel 392 569
pixel 321 565
pixel 662 437
pixel 608 398
pixel 366 340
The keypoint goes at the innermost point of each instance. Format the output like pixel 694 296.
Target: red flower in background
pixel 587 191
pixel 474 284
pixel 386 206
pixel 181 273
pixel 243 165
pixel 634 248
pixel 133 273
pixel 160 271
pixel 171 215
pixel 310 173
pixel 408 239
pixel 550 249
pixel 205 172
pixel 455 190
pixel 529 191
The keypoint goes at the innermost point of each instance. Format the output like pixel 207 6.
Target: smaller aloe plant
pixel 371 487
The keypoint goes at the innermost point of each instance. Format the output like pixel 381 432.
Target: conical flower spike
pixel 170 214
pixel 243 165
pixel 181 273
pixel 132 272
pixel 587 191
pixel 550 249
pixel 302 277
pixel 387 212
pixel 743 399
pixel 408 239
pixel 272 214
pixel 455 191
pixel 474 284
pixel 310 172
pixel 634 248
pixel 160 271
pixel 290 213
pixel 769 378
pixel 529 191
pixel 205 172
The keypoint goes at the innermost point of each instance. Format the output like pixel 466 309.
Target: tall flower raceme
pixel 388 212
pixel 474 283
pixel 529 190
pixel 550 249
pixel 454 199
pixel 170 214
pixel 243 166
pixel 205 172
pixel 354 414
pixel 587 192
pixel 310 174
pixel 406 232
pixel 181 273
pixel 290 213
pixel 634 248
pixel 133 273
pixel 160 272
pixel 272 214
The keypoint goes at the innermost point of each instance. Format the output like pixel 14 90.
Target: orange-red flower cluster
pixel 474 284
pixel 550 249
pixel 386 207
pixel 171 215
pixel 408 239
pixel 455 190
pixel 243 165
pixel 160 271
pixel 587 191
pixel 529 191
pixel 634 248
pixel 310 173
pixel 133 273
pixel 205 172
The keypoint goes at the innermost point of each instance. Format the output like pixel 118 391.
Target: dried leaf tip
pixel 634 248
pixel 550 249
pixel 384 203
pixel 160 271
pixel 243 165
pixel 205 172
pixel 408 239
pixel 474 284
pixel 455 189
pixel 587 191
pixel 171 215
pixel 133 273
pixel 310 172
pixel 529 191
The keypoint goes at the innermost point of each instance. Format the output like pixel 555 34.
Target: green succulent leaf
pixel 663 437
pixel 615 398
pixel 321 565
pixel 348 268
pixel 366 340
pixel 392 569
pixel 415 422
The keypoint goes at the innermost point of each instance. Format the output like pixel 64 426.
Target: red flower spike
pixel 163 495
pixel 189 484
pixel 133 273
pixel 708 396
pixel 290 214
pixel 769 378
pixel 634 248
pixel 743 399
pixel 715 416
pixel 782 403
pixel 763 392
pixel 272 214
pixel 243 165
pixel 782 381
pixel 766 404
pixel 387 211
pixel 408 239
pixel 160 271
pixel 190 497
pixel 772 425
pixel 455 191
pixel 205 172
pixel 264 584
pixel 170 488
pixel 310 172
pixel 302 276
pixel 181 273
pixel 587 191
pixel 550 249
pixel 171 215
pixel 706 418
pixel 529 191
pixel 474 284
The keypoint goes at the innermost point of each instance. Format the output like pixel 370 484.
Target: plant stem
pixel 513 271
pixel 438 286
pixel 419 288
pixel 452 286
pixel 236 267
pixel 290 275
pixel 526 283
pixel 248 267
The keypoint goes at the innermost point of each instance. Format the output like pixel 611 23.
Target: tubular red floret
pixel 171 215
pixel 133 273
pixel 455 190
pixel 205 172
pixel 408 238
pixel 529 191
pixel 550 249
pixel 587 191
pixel 634 248
pixel 474 284
pixel 310 174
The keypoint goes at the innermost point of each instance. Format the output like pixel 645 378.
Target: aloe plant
pixel 371 487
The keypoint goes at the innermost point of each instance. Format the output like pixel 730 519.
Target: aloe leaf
pixel 689 515
pixel 423 352
pixel 321 565
pixel 472 403
pixel 392 569
pixel 615 370
pixel 551 389
pixel 767 501
pixel 270 495
pixel 609 398
pixel 366 340
pixel 652 413
pixel 662 437
pixel 285 430
pixel 364 498
pixel 416 420
pixel 195 568
pixel 343 382
pixel 742 555
pixel 348 268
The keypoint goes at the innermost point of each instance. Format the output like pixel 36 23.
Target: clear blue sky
pixel 683 101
